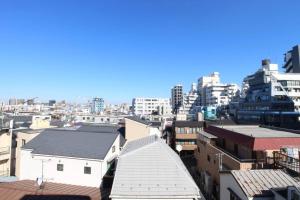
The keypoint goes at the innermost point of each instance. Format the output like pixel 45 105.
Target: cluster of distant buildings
pixel 217 141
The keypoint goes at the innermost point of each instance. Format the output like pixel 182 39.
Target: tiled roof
pixel 149 168
pixel 259 182
pixel 28 190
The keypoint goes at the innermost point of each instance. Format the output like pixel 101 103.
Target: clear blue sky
pixel 119 49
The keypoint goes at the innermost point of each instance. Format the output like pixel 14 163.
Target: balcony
pixel 233 162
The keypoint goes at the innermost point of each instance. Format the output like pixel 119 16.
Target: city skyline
pixel 120 50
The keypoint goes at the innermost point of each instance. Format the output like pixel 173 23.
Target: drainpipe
pixel 11 125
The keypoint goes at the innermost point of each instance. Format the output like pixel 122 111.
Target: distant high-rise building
pixel 148 106
pixel 97 105
pixel 214 93
pixel 12 101
pixel 176 97
pixel 190 100
pixel 20 101
pixel 30 102
pixel 292 60
pixel 204 81
pixel 52 102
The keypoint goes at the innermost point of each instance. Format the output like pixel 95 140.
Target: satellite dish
pixel 178 148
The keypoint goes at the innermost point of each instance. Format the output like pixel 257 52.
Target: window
pixel 113 149
pixel 87 170
pixel 60 167
pixel 23 142
pixel 208 158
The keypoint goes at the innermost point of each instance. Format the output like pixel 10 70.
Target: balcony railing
pixel 287 162
pixel 242 160
pixel 4 150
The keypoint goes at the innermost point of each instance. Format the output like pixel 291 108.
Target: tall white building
pixel 204 81
pixel 190 100
pixel 220 94
pixel 147 106
pixel 214 93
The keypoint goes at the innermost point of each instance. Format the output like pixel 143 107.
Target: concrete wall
pixel 20 137
pixel 135 130
pixel 32 167
pixel 227 181
pixel 5 153
pixel 40 122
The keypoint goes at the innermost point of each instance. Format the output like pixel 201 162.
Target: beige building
pixel 136 128
pixel 21 138
pixel 5 152
pixel 222 148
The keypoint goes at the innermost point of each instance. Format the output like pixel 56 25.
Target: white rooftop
pixel 148 168
pixel 260 132
pixel 259 182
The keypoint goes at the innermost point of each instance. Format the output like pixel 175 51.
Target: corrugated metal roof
pixel 70 143
pixel 259 182
pixel 149 168
pixel 26 189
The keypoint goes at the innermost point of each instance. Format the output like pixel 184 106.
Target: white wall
pixel 73 172
pixel 227 181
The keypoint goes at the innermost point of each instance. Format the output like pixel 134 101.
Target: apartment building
pixel 176 97
pixel 97 105
pixel 190 100
pixel 184 135
pixel 214 93
pixel 270 97
pixel 292 60
pixel 220 94
pixel 237 147
pixel 78 157
pixel 148 106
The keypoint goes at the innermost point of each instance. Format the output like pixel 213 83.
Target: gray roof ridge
pixel 182 167
pixel 112 144
pixel 137 149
